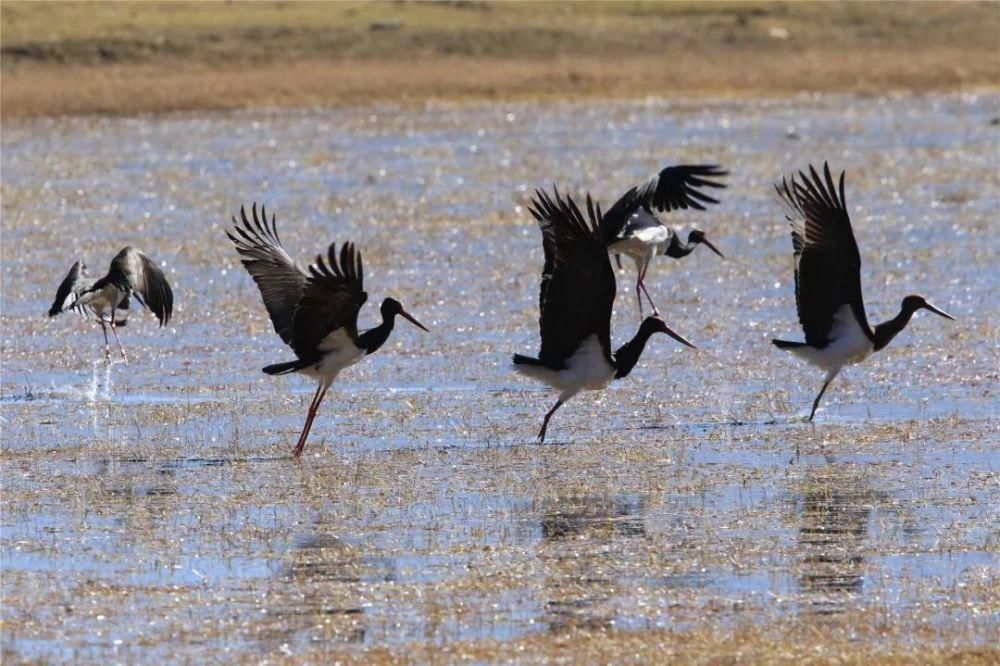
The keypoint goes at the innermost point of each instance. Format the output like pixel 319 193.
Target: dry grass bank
pixel 123 58
pixel 817 648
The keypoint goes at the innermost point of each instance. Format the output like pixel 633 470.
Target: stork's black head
pixel 654 324
pixel 915 302
pixel 391 307
pixel 698 236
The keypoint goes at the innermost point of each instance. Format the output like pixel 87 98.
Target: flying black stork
pixel 107 300
pixel 643 236
pixel 314 312
pixel 828 280
pixel 576 297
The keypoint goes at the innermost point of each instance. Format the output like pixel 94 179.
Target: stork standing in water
pixel 642 236
pixel 107 300
pixel 577 294
pixel 314 312
pixel 828 280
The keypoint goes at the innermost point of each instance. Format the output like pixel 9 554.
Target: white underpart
pixel 848 344
pixel 103 301
pixel 587 369
pixel 643 244
pixel 339 352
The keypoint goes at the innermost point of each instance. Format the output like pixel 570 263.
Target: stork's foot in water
pixel 310 416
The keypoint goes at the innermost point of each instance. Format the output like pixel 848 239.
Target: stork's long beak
pixel 711 247
pixel 676 336
pixel 412 320
pixel 936 311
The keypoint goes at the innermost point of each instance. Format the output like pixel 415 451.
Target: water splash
pixel 100 382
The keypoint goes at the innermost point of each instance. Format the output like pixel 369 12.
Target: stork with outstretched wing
pixel 132 274
pixel 314 312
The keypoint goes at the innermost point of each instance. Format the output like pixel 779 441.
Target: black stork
pixel 576 297
pixel 643 236
pixel 107 300
pixel 314 312
pixel 828 280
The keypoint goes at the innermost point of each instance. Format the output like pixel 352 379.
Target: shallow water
pixel 153 512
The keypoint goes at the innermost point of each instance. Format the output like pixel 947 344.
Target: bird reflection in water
pixel 835 507
pixel 582 541
pixel 323 576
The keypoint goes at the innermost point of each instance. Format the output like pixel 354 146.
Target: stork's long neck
pixel 677 248
pixel 374 338
pixel 886 331
pixel 628 354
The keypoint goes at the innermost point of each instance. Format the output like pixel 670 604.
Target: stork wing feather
pixel 678 187
pixel 147 280
pixel 674 187
pixel 332 297
pixel 578 283
pixel 75 282
pixel 615 224
pixel 281 281
pixel 827 261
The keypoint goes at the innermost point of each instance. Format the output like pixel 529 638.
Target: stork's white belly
pixel 587 369
pixel 102 301
pixel 640 245
pixel 848 343
pixel 339 352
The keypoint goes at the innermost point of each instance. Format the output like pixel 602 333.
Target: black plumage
pixel 673 188
pixel 576 299
pixel 107 300
pixel 828 294
pixel 642 235
pixel 315 312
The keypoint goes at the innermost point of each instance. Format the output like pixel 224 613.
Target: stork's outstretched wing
pixel 672 188
pixel 281 281
pixel 333 295
pixel 75 282
pixel 146 280
pixel 827 261
pixel 578 283
pixel 678 187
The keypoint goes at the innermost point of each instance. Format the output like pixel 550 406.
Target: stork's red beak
pixel 711 247
pixel 936 311
pixel 406 315
pixel 676 336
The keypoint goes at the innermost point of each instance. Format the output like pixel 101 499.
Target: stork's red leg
pixel 638 295
pixel 119 340
pixel 650 299
pixel 816 401
pixel 313 408
pixel 642 283
pixel 545 422
pixel 107 347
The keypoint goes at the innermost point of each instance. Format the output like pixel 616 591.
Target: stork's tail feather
pixel 285 368
pixel 788 344
pixel 520 359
